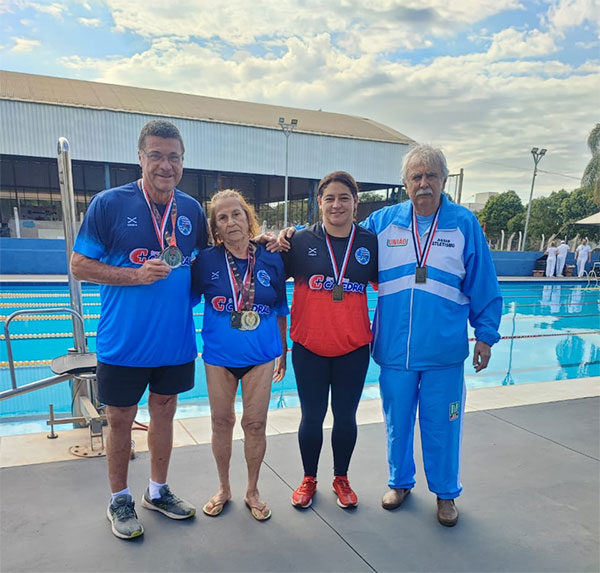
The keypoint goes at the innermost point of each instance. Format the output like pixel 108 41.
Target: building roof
pixel 95 95
pixel 591 220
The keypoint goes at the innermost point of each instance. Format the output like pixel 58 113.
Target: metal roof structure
pixel 100 96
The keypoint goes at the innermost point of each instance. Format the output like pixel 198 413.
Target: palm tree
pixel 591 175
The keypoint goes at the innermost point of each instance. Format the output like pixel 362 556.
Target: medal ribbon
pixel 423 253
pixel 159 222
pixel 242 289
pixel 337 273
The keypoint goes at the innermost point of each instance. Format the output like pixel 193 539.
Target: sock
pixel 118 493
pixel 154 489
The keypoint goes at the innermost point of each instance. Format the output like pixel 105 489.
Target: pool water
pixel 549 332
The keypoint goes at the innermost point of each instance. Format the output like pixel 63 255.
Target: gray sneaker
pixel 121 513
pixel 169 504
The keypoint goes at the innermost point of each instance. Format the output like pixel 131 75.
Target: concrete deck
pixel 531 499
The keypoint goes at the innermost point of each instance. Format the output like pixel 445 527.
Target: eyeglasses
pixel 156 157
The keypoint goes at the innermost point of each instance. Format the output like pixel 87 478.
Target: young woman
pixel 331 263
pixel 244 332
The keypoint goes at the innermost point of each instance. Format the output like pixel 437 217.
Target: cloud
pixel 400 23
pixel 6 7
pixel 510 43
pixel 55 9
pixel 23 45
pixel 90 22
pixel 566 14
pixel 587 45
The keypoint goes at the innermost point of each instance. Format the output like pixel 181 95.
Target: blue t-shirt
pixel 143 325
pixel 424 223
pixel 227 346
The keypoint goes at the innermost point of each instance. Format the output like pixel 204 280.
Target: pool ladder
pixel 77 366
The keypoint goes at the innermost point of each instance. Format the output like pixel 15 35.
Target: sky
pixel 484 80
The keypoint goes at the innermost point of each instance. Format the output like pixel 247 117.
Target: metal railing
pixel 15 389
pixel 78 365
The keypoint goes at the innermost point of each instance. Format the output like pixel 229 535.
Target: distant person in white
pixel 584 255
pixel 551 260
pixel 563 251
pixel 575 305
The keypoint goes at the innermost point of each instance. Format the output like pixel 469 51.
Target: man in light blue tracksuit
pixel 435 273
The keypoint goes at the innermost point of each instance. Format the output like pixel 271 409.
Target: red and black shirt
pixel 319 323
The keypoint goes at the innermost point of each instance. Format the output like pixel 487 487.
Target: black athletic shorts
pixel 125 385
pixel 239 373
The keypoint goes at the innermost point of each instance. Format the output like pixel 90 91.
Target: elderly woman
pixel 331 262
pixel 244 335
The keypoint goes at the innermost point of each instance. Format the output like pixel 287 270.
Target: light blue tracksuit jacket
pixel 425 325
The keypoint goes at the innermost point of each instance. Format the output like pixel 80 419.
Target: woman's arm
pixel 281 362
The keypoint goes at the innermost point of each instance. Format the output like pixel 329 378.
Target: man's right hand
pixel 153 270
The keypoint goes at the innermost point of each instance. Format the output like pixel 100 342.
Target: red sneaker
pixel 302 497
pixel 346 497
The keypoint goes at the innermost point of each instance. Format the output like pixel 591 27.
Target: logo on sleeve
pixel 132 221
pixel 184 225
pixel 362 255
pixel 263 278
pixel 312 251
pixel 214 275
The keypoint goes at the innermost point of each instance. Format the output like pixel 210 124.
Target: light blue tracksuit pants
pixel 440 395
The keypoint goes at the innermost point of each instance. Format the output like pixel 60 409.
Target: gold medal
pixel 250 320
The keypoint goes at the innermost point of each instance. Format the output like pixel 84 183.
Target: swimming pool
pixel 550 331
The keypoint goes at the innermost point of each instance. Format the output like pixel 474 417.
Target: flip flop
pixel 216 509
pixel 257 513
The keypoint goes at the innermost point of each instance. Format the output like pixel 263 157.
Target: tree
pixel 498 211
pixel 370 196
pixel 591 174
pixel 578 204
pixel 556 214
pixel 546 216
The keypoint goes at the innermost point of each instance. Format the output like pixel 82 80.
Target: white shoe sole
pixel 300 506
pixel 118 533
pixel 341 504
pixel 148 505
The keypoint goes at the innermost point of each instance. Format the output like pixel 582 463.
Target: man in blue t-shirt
pixel 137 241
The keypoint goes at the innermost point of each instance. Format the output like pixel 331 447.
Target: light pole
pixel 537 156
pixel 287 129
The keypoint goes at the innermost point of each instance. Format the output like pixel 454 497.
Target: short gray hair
pixel 429 156
pixel 160 128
